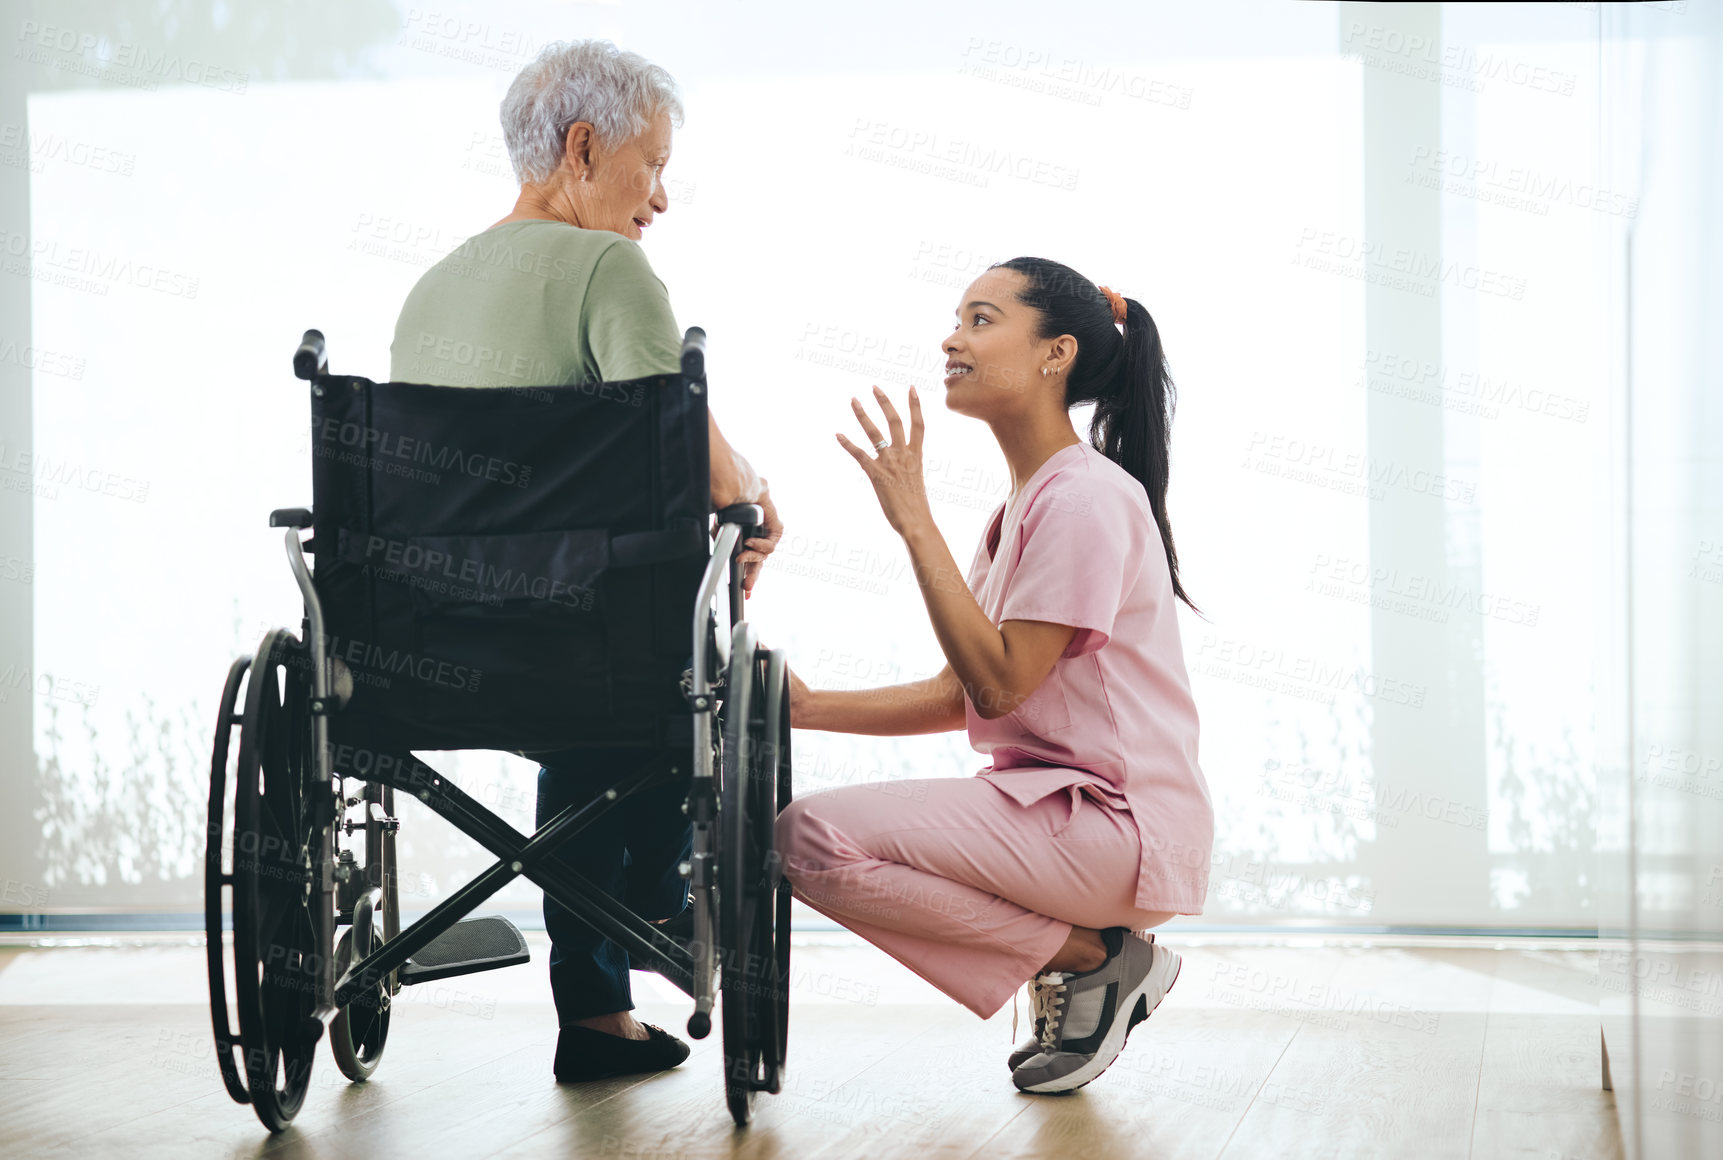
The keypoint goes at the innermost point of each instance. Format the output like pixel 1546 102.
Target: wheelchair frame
pixel 738 779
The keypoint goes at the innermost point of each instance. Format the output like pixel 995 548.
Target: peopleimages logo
pixel 21 464
pixel 490 583
pixel 929 151
pixel 374 664
pixel 342 433
pixel 139 66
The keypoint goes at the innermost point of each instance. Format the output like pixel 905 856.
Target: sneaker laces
pixel 1047 994
pixel 1016 995
pixel 1046 998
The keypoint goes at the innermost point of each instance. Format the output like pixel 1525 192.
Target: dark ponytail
pixel 1124 376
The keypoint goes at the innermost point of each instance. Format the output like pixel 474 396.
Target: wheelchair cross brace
pixel 533 857
pixel 520 854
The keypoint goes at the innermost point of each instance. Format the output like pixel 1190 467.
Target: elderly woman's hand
pixel 759 547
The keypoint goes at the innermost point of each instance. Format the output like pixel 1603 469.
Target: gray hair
pixel 618 92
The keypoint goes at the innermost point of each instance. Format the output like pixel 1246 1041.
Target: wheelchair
pixel 516 569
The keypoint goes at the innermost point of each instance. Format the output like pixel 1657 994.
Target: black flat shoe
pixel 583 1053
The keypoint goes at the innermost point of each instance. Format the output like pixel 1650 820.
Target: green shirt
pixel 536 303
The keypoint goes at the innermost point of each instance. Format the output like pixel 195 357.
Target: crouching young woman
pixel 1092 824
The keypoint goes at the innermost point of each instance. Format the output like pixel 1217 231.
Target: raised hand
pixel 894 468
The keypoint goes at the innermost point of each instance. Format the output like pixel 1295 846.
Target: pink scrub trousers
pixel 959 882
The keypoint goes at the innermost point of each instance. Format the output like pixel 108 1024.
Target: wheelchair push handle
pixel 694 353
pixel 311 360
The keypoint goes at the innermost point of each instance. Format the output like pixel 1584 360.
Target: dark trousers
pixel 632 854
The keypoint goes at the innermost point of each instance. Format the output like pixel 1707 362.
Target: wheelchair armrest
pixel 747 514
pixel 290 518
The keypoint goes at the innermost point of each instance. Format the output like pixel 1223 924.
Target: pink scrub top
pixel 1078 545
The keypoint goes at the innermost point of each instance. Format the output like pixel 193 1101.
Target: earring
pixel 1044 372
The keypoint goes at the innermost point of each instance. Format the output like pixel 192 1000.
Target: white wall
pixel 1394 684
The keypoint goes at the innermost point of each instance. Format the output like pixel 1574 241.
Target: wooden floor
pixel 1303 1051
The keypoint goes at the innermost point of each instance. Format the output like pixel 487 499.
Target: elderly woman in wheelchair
pixel 532 567
pixel 561 291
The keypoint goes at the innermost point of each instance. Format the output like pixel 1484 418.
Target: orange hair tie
pixel 1117 302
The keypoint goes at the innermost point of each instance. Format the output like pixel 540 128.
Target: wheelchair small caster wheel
pixel 700 1024
pixel 360 1029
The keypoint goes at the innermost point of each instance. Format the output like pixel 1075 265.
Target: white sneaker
pixel 1084 1018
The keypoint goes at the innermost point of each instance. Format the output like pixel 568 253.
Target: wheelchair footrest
pixel 471 945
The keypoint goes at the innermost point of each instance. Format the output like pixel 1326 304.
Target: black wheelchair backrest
pixel 512 567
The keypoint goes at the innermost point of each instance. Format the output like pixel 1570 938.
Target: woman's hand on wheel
pixel 895 467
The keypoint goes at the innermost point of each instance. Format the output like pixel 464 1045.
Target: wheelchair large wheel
pixel 778 731
pixel 265 852
pixel 218 877
pixel 753 928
